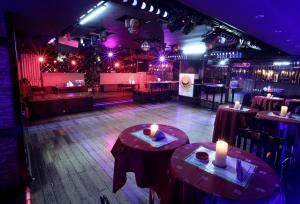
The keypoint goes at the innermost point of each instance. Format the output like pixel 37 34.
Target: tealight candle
pixel 237 105
pixel 221 153
pixel 283 111
pixel 153 129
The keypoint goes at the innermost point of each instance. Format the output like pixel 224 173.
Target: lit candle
pixel 283 111
pixel 158 79
pixel 153 129
pixel 237 105
pixel 221 153
pixel 269 95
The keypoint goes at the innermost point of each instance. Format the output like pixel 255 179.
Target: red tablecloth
pixel 267 103
pixel 189 184
pixel 266 116
pixel 149 164
pixel 288 101
pixel 229 120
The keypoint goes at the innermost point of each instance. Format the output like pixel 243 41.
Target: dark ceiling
pixel 45 17
pixel 275 22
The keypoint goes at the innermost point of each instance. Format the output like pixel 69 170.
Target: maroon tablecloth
pixel 190 184
pixel 149 163
pixel 288 101
pixel 229 120
pixel 266 116
pixel 267 103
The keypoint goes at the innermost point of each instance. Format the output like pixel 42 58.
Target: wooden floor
pixel 70 155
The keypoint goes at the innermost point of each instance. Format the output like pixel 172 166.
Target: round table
pixel 291 100
pixel 267 103
pixel 190 184
pixel 229 120
pixel 150 164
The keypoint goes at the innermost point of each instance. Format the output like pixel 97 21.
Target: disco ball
pixel 145 46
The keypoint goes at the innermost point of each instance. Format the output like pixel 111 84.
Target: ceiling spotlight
pixel 125 1
pixel 158 12
pixel 143 5
pixel 194 49
pixel 283 63
pixel 162 58
pixel 92 13
pixel 110 54
pixel 151 9
pixel 165 14
pixel 134 3
pixel 223 62
pixel 51 41
pixel 100 3
pixel 259 16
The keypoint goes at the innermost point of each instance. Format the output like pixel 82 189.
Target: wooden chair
pixel 266 147
pixel 294 107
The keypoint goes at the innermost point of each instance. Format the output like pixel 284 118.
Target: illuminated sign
pixel 186 84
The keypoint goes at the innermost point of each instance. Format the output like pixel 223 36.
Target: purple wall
pixel 7 115
pixel 11 137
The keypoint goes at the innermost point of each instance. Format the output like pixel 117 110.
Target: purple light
pixel 162 58
pixel 110 54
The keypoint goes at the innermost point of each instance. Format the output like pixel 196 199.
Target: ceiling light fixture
pixel 158 12
pixel 51 41
pixel 92 14
pixel 165 14
pixel 110 54
pixel 134 3
pixel 143 5
pixel 162 58
pixel 283 63
pixel 100 3
pixel 41 59
pixel 151 9
pixel 259 16
pixel 194 49
pixel 223 62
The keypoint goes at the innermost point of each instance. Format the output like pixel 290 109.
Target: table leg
pixel 151 196
pixel 213 101
pixel 200 94
pixel 232 95
pixel 221 96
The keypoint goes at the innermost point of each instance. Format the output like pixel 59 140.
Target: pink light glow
pixel 41 59
pixel 110 54
pixel 117 64
pixel 73 62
